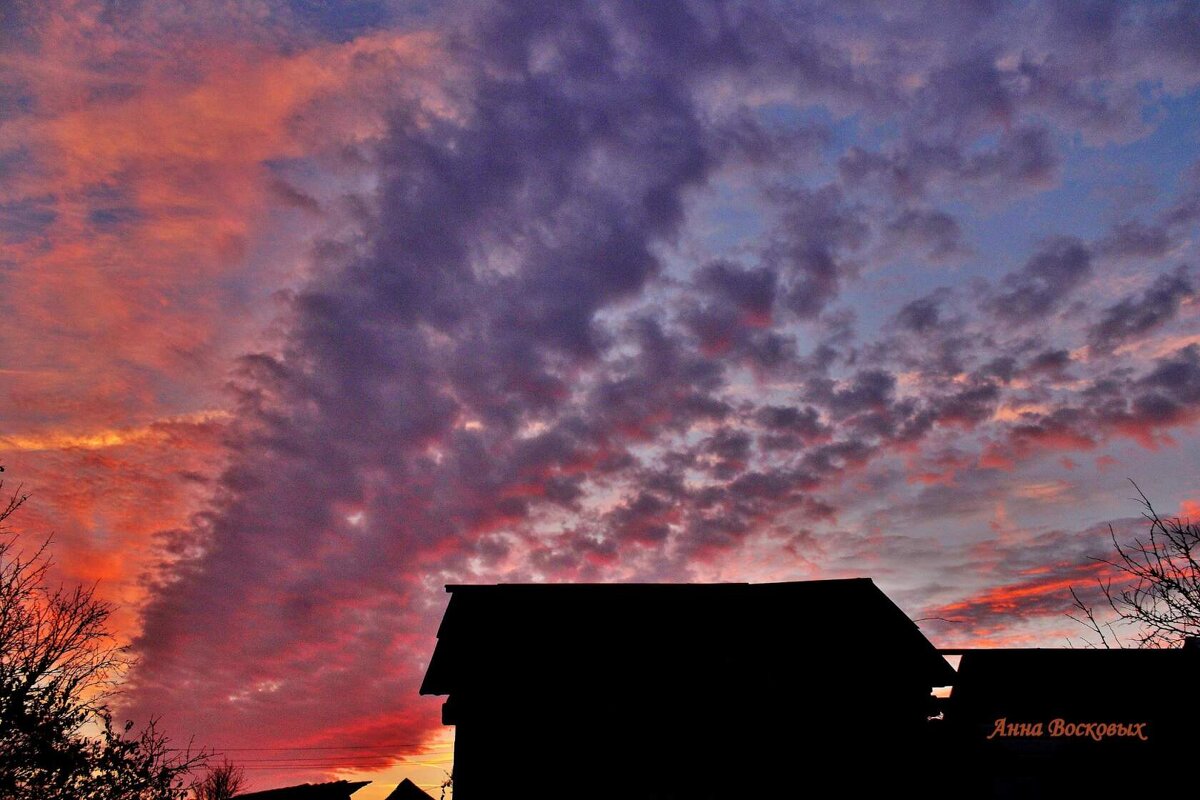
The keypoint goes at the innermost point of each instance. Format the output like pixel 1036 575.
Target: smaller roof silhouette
pixel 407 790
pixel 992 681
pixel 336 790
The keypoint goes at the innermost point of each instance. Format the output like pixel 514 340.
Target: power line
pixel 334 758
pixel 318 761
pixel 326 747
pixel 338 764
pixel 310 768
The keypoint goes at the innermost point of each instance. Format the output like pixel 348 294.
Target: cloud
pixel 578 291
pixel 1135 239
pixel 1022 159
pixel 814 245
pixel 935 234
pixel 1028 583
pixel 1058 267
pixel 1136 316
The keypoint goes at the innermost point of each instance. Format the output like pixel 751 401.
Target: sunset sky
pixel 311 308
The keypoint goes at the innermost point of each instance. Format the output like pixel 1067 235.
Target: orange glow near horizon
pixel 428 770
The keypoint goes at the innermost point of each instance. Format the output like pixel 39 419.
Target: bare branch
pixel 221 783
pixel 1160 598
pixel 59 663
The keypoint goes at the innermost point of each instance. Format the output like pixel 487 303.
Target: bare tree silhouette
pixel 59 664
pixel 1160 596
pixel 221 783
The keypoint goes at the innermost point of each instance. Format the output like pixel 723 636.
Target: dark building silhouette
pixel 337 790
pixel 1047 723
pixel 684 690
pixel 407 790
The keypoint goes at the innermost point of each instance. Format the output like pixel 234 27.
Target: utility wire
pixel 327 747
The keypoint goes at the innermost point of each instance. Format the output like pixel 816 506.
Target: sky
pixel 311 308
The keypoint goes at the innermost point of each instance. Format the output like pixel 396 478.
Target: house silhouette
pixel 335 790
pixel 683 690
pixel 407 790
pixel 1030 723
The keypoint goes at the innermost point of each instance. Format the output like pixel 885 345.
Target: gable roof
pixel 407 790
pixel 336 790
pixel 639 633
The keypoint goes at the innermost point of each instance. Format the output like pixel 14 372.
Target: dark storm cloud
pixel 1169 394
pixel 736 319
pixel 642 519
pixel 749 290
pixel 969 406
pixel 26 219
pixel 664 385
pixel 814 246
pixel 1003 368
pixel 934 234
pixel 1120 403
pixel 801 421
pixel 1058 267
pixel 744 136
pixel 1049 362
pixel 1025 156
pixel 924 313
pixel 1022 159
pixel 1137 315
pixel 1186 208
pixel 869 389
pixel 1134 239
pixel 931 335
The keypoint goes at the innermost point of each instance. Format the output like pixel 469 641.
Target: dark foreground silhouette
pixel 1030 723
pixel 407 790
pixel 337 790
pixel 684 690
pixel 818 688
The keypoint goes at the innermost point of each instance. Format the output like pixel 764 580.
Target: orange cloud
pixel 104 498
pixel 150 153
pixel 103 439
pixel 155 178
pixel 1044 594
pixel 1011 598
